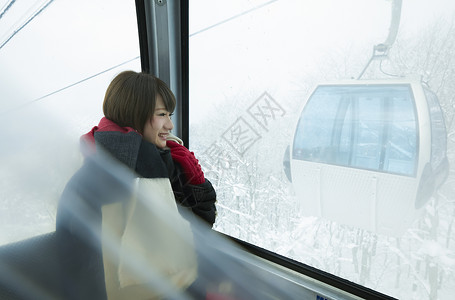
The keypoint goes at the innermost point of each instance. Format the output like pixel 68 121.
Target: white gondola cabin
pixel 368 153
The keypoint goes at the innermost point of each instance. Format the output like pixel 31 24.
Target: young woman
pixel 132 142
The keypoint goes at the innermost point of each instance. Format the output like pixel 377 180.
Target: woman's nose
pixel 169 125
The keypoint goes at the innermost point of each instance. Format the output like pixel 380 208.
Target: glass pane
pixel 438 129
pixel 364 127
pixel 56 59
pixel 253 67
pixel 401 150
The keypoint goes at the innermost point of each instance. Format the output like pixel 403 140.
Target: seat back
pixel 29 269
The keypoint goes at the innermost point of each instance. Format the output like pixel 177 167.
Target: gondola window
pixel 372 128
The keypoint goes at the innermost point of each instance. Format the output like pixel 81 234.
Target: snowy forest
pixel 257 203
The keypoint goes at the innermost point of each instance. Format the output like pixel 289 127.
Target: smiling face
pixel 157 128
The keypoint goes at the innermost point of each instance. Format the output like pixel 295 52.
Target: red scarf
pixel 88 139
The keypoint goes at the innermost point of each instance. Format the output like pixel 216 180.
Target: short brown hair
pixel 131 97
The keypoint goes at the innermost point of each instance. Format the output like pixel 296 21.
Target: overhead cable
pixel 6 7
pixel 26 23
pixel 232 18
pixel 67 87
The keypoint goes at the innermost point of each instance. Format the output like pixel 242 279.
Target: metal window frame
pixel 164 51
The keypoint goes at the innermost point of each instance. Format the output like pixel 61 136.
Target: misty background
pixel 57 58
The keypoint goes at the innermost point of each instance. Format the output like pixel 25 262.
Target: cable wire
pixel 66 87
pixel 26 23
pixel 109 69
pixel 232 18
pixel 6 7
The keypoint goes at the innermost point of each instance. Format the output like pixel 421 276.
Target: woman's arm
pixel 191 188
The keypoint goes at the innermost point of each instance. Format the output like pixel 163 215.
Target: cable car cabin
pixel 369 153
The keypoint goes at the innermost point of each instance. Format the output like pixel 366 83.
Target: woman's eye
pixel 164 114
